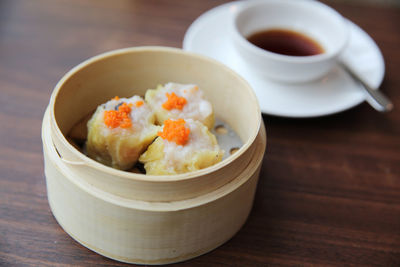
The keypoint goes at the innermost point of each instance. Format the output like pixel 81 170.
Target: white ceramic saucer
pixel 209 35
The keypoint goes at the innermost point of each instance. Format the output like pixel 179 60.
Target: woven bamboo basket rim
pixel 157 206
pixel 143 177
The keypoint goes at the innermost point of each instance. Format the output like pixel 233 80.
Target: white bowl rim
pixel 287 58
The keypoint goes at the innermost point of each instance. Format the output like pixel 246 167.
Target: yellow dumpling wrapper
pixel 120 147
pixel 164 157
pixel 196 107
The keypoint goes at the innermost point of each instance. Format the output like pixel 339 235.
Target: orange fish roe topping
pixel 118 118
pixel 175 131
pixel 139 103
pixel 174 101
pixel 116 98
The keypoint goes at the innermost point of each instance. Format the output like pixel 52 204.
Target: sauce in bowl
pixel 286 42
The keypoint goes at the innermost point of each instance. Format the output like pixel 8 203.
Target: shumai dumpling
pixel 182 146
pixel 186 101
pixel 119 131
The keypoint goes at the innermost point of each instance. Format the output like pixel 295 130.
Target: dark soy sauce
pixel 286 42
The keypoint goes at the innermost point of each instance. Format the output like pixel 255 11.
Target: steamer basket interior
pixel 133 71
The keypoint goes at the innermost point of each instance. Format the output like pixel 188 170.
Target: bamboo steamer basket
pixel 140 218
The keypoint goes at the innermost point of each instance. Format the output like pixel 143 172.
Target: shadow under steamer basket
pixel 133 71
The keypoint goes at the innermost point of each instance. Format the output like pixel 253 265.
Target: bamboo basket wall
pixel 139 218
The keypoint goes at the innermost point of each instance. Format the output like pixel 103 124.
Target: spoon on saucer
pixel 375 98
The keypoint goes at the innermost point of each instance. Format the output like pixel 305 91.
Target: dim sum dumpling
pixel 186 101
pixel 119 131
pixel 182 146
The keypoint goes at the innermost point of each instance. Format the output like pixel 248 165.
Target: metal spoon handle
pixel 374 97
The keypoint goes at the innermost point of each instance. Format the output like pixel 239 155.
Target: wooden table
pixel 329 191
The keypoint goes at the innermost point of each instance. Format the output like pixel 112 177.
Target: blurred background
pixel 372 2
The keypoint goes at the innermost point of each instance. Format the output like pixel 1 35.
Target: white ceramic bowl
pixel 311 18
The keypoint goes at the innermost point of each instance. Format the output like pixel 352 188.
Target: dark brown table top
pixel 329 190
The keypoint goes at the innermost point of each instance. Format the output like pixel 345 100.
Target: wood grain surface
pixel 329 191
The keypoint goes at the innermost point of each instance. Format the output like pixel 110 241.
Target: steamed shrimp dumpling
pixel 119 131
pixel 186 101
pixel 182 146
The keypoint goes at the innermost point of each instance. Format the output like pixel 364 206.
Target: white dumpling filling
pixel 141 116
pixel 197 107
